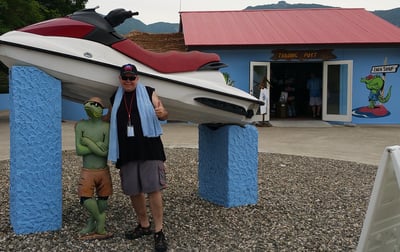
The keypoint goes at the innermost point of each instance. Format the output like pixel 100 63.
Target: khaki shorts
pixel 315 101
pixel 142 177
pixel 95 181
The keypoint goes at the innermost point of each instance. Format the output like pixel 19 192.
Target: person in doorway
pixel 314 86
pixel 137 150
pixel 291 97
pixel 264 85
pixel 91 141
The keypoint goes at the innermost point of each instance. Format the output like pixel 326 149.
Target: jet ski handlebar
pixel 118 16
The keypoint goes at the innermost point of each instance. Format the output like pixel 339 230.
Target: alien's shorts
pixel 95 182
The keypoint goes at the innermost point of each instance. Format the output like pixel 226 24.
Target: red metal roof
pixel 287 27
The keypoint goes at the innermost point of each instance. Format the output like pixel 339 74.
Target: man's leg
pixel 139 205
pixel 156 207
pixel 143 228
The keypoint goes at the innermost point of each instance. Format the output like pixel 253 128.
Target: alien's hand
pixel 102 146
pixel 85 141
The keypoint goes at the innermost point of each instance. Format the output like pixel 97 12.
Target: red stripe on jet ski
pixel 63 27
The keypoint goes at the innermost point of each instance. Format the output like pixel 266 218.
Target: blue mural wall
pixel 238 61
pixel 4 102
pixel 363 61
pixel 71 111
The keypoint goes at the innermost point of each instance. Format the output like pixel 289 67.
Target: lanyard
pixel 130 108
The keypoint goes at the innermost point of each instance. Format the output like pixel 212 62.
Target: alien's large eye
pixel 93 103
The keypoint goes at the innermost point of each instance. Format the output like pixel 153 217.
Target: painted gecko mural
pixel 375 84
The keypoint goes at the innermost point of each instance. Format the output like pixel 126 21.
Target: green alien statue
pixel 95 185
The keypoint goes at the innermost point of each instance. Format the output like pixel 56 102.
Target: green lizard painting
pixel 375 84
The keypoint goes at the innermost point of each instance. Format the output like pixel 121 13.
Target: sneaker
pixel 138 232
pixel 160 244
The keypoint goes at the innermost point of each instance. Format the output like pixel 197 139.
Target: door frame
pixel 267 65
pixel 347 116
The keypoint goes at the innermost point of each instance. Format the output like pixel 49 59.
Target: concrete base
pixel 35 151
pixel 228 165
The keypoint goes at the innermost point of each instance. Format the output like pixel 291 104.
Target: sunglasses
pixel 131 78
pixel 93 103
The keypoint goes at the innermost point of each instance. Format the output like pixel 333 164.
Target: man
pixel 95 186
pixel 314 86
pixel 137 149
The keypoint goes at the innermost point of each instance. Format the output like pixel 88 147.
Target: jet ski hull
pixel 87 68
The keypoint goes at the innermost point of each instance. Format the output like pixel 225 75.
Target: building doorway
pixel 291 79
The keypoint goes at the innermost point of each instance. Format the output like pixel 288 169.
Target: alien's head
pixel 94 107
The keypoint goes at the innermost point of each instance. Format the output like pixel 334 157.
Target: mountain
pixel 284 5
pixel 131 24
pixel 392 16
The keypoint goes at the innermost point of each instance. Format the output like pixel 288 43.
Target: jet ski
pixel 84 51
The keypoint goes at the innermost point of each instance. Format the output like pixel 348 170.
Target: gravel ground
pixel 305 204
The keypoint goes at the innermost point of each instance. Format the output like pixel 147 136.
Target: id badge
pixel 130 131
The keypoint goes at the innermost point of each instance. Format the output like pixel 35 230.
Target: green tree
pixel 15 14
pixel 59 8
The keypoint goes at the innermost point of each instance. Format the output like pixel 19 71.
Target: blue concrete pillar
pixel 35 151
pixel 228 165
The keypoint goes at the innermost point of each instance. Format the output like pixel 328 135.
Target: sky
pixel 152 11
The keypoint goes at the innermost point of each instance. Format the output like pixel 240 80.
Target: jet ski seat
pixel 171 61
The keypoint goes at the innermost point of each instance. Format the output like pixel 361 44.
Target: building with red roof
pixel 354 52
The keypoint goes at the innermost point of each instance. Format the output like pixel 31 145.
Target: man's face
pixel 129 82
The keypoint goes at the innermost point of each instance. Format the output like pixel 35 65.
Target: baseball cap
pixel 128 69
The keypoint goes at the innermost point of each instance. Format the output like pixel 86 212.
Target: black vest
pixel 138 147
